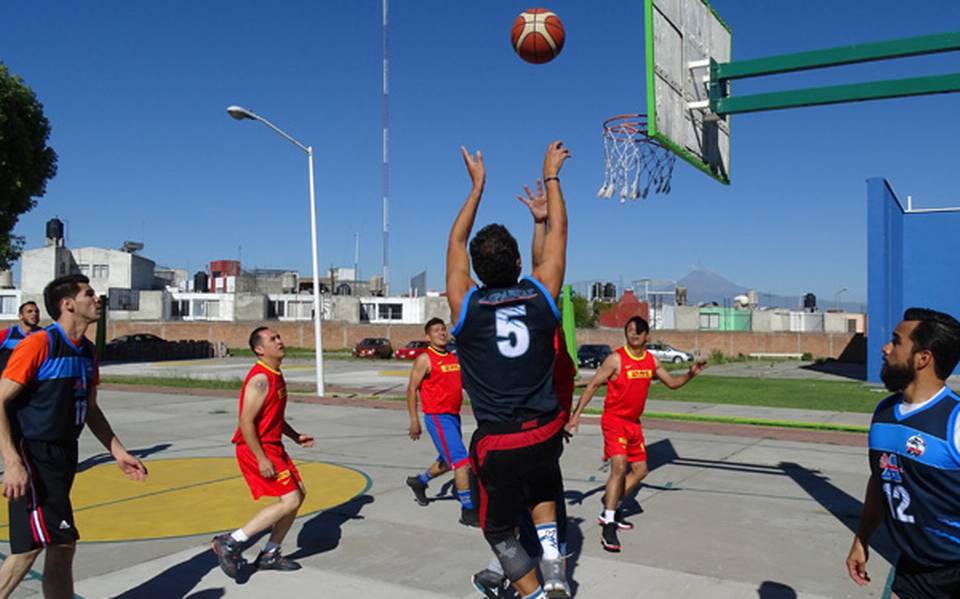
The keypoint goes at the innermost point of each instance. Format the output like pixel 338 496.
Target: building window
pixel 8 304
pixel 84 269
pixel 709 321
pixel 275 308
pixel 101 271
pixel 851 325
pixel 390 311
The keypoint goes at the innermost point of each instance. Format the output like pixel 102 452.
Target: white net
pixel 635 164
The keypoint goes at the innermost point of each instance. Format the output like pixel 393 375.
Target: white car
pixel 665 353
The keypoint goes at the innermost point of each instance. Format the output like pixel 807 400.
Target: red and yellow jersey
pixel 441 391
pixel 627 393
pixel 270 419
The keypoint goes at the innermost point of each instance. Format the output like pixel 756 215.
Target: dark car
pixel 592 355
pixel 373 347
pixel 411 350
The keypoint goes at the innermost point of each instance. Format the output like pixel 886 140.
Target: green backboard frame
pixel 682 38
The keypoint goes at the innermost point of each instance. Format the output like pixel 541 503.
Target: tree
pixel 26 161
pixel 582 314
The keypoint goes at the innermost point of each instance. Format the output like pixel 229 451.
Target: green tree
pixel 582 314
pixel 26 161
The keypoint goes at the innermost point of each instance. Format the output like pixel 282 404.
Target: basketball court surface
pixel 723 516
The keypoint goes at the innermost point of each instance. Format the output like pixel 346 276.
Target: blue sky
pixel 136 95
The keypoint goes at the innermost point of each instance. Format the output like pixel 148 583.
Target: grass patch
pixel 837 396
pixel 171 381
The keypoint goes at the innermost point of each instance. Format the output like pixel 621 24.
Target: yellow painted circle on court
pixel 185 497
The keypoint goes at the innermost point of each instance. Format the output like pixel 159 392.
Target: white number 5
pixel 513 337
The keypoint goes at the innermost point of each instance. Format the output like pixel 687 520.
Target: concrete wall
pixel 340 335
pixel 911 261
pixel 250 306
pixel 841 322
pixel 687 318
pixel 42 265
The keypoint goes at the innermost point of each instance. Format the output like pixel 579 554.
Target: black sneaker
pixel 608 537
pixel 273 560
pixel 229 554
pixel 419 489
pixel 469 518
pixel 489 584
pixel 618 517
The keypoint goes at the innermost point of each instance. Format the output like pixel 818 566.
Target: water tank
pixel 809 302
pixel 288 282
pixel 55 232
pixel 610 291
pixel 596 291
pixel 6 279
pixel 200 282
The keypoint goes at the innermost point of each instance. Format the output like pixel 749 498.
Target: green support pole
pixel 102 327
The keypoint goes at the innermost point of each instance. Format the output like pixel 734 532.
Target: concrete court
pixel 723 516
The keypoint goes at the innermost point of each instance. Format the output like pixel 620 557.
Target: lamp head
pixel 239 112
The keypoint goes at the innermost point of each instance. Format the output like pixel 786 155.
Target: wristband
pixel 557 179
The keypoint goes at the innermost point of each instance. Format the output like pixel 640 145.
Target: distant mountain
pixel 707 286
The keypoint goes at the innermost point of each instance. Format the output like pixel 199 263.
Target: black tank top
pixel 505 345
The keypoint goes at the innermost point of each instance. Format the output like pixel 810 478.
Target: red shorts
pixel 287 479
pixel 623 437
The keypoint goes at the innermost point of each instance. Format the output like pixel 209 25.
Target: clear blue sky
pixel 136 93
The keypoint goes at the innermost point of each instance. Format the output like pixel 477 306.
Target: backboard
pixel 682 37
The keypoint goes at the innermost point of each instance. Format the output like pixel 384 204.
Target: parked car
pixel 373 347
pixel 665 353
pixel 592 355
pixel 411 350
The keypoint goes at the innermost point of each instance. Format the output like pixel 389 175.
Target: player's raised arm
pixel 675 382
pixel 538 210
pixel 458 261
pixel 551 269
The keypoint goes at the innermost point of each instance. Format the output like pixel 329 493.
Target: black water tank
pixel 810 302
pixel 200 282
pixel 610 291
pixel 596 291
pixel 55 229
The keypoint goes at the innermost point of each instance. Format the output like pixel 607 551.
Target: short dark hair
pixel 939 334
pixel 495 254
pixel 24 305
pixel 431 322
pixel 640 322
pixel 255 338
pixel 60 289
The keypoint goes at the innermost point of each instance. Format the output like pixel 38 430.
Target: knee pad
pixel 513 557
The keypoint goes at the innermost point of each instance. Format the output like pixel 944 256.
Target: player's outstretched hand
pixel 536 203
pixel 698 367
pixel 857 562
pixel 415 429
pixel 304 440
pixel 131 466
pixel 572 426
pixel 14 481
pixel 475 168
pixel 553 161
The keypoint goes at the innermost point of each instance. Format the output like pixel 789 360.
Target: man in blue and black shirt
pixel 914 484
pixel 29 315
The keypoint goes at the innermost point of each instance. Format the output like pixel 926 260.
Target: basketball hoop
pixel 635 162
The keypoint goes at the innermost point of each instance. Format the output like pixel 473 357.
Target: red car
pixel 411 350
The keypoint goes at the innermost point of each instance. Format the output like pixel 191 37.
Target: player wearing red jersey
pixel 436 377
pixel 628 373
pixel 263 461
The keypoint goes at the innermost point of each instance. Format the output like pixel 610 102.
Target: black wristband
pixel 557 179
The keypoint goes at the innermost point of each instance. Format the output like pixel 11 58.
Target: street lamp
pixel 836 298
pixel 240 113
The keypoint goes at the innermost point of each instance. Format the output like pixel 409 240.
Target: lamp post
pixel 836 298
pixel 240 113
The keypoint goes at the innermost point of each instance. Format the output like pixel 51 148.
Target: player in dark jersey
pixel 436 377
pixel 914 484
pixel 505 331
pixel 628 373
pixel 47 393
pixel 29 316
pixel 264 463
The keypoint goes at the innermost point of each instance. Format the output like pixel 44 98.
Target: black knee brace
pixel 513 557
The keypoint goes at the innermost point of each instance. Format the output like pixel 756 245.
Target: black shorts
pixel 517 467
pixel 917 582
pixel 44 516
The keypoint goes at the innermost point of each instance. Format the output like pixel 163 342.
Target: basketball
pixel 537 35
